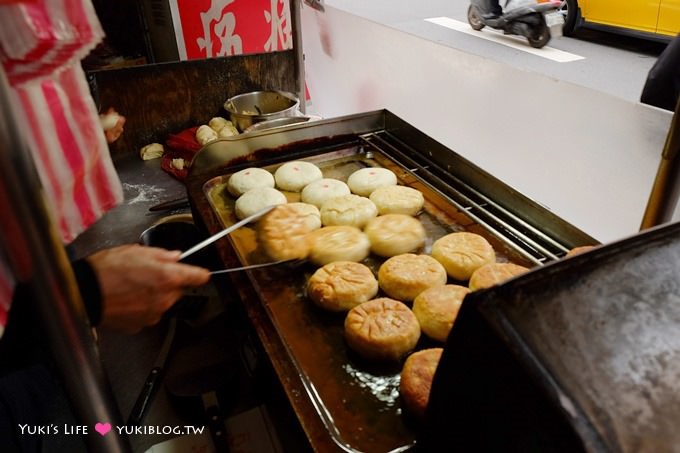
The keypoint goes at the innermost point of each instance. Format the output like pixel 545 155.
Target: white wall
pixel 588 156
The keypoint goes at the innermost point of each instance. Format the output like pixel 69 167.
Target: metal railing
pixel 526 239
pixel 665 192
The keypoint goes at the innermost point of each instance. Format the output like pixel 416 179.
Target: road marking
pixel 516 42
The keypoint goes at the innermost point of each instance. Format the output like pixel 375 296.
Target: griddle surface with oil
pixel 357 401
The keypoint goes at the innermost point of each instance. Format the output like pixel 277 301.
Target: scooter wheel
pixel 475 18
pixel 541 36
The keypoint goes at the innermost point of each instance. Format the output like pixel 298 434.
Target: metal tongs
pixel 228 230
pixel 225 232
pixel 290 262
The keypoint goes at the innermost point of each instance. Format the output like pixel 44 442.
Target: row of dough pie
pixel 284 236
pixel 383 328
pixel 307 178
pixel 420 280
pixel 409 279
pixel 291 231
pixel 294 177
pixel 346 214
pixel 393 233
pixel 343 285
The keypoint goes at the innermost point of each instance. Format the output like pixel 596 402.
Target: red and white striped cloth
pixel 41 45
pixel 6 291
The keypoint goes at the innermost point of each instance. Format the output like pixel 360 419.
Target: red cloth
pixel 182 145
pixel 69 149
pixel 41 37
pixel 41 45
pixel 6 291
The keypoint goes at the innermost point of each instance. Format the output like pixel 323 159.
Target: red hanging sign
pixel 219 28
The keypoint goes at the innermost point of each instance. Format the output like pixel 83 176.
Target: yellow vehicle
pixel 656 19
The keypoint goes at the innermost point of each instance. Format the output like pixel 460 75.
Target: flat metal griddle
pixel 357 402
pixel 600 334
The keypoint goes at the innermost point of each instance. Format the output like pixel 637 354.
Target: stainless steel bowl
pixel 278 122
pixel 249 108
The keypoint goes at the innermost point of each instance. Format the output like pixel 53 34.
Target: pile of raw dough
pixel 216 128
pixel 223 127
pixel 151 151
pixel 205 134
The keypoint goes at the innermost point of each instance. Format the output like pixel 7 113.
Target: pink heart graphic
pixel 102 428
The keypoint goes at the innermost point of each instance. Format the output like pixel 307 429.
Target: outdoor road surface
pixel 607 62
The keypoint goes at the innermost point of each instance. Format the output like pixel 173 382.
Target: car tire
pixel 570 11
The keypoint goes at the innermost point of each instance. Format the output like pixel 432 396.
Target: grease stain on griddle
pixel 384 388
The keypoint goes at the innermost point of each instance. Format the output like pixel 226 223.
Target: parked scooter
pixel 535 21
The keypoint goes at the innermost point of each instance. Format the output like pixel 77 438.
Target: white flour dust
pixel 141 193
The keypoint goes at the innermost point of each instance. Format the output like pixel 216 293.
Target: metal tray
pixel 357 401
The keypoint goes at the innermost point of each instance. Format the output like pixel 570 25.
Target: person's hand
pixel 113 124
pixel 139 284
